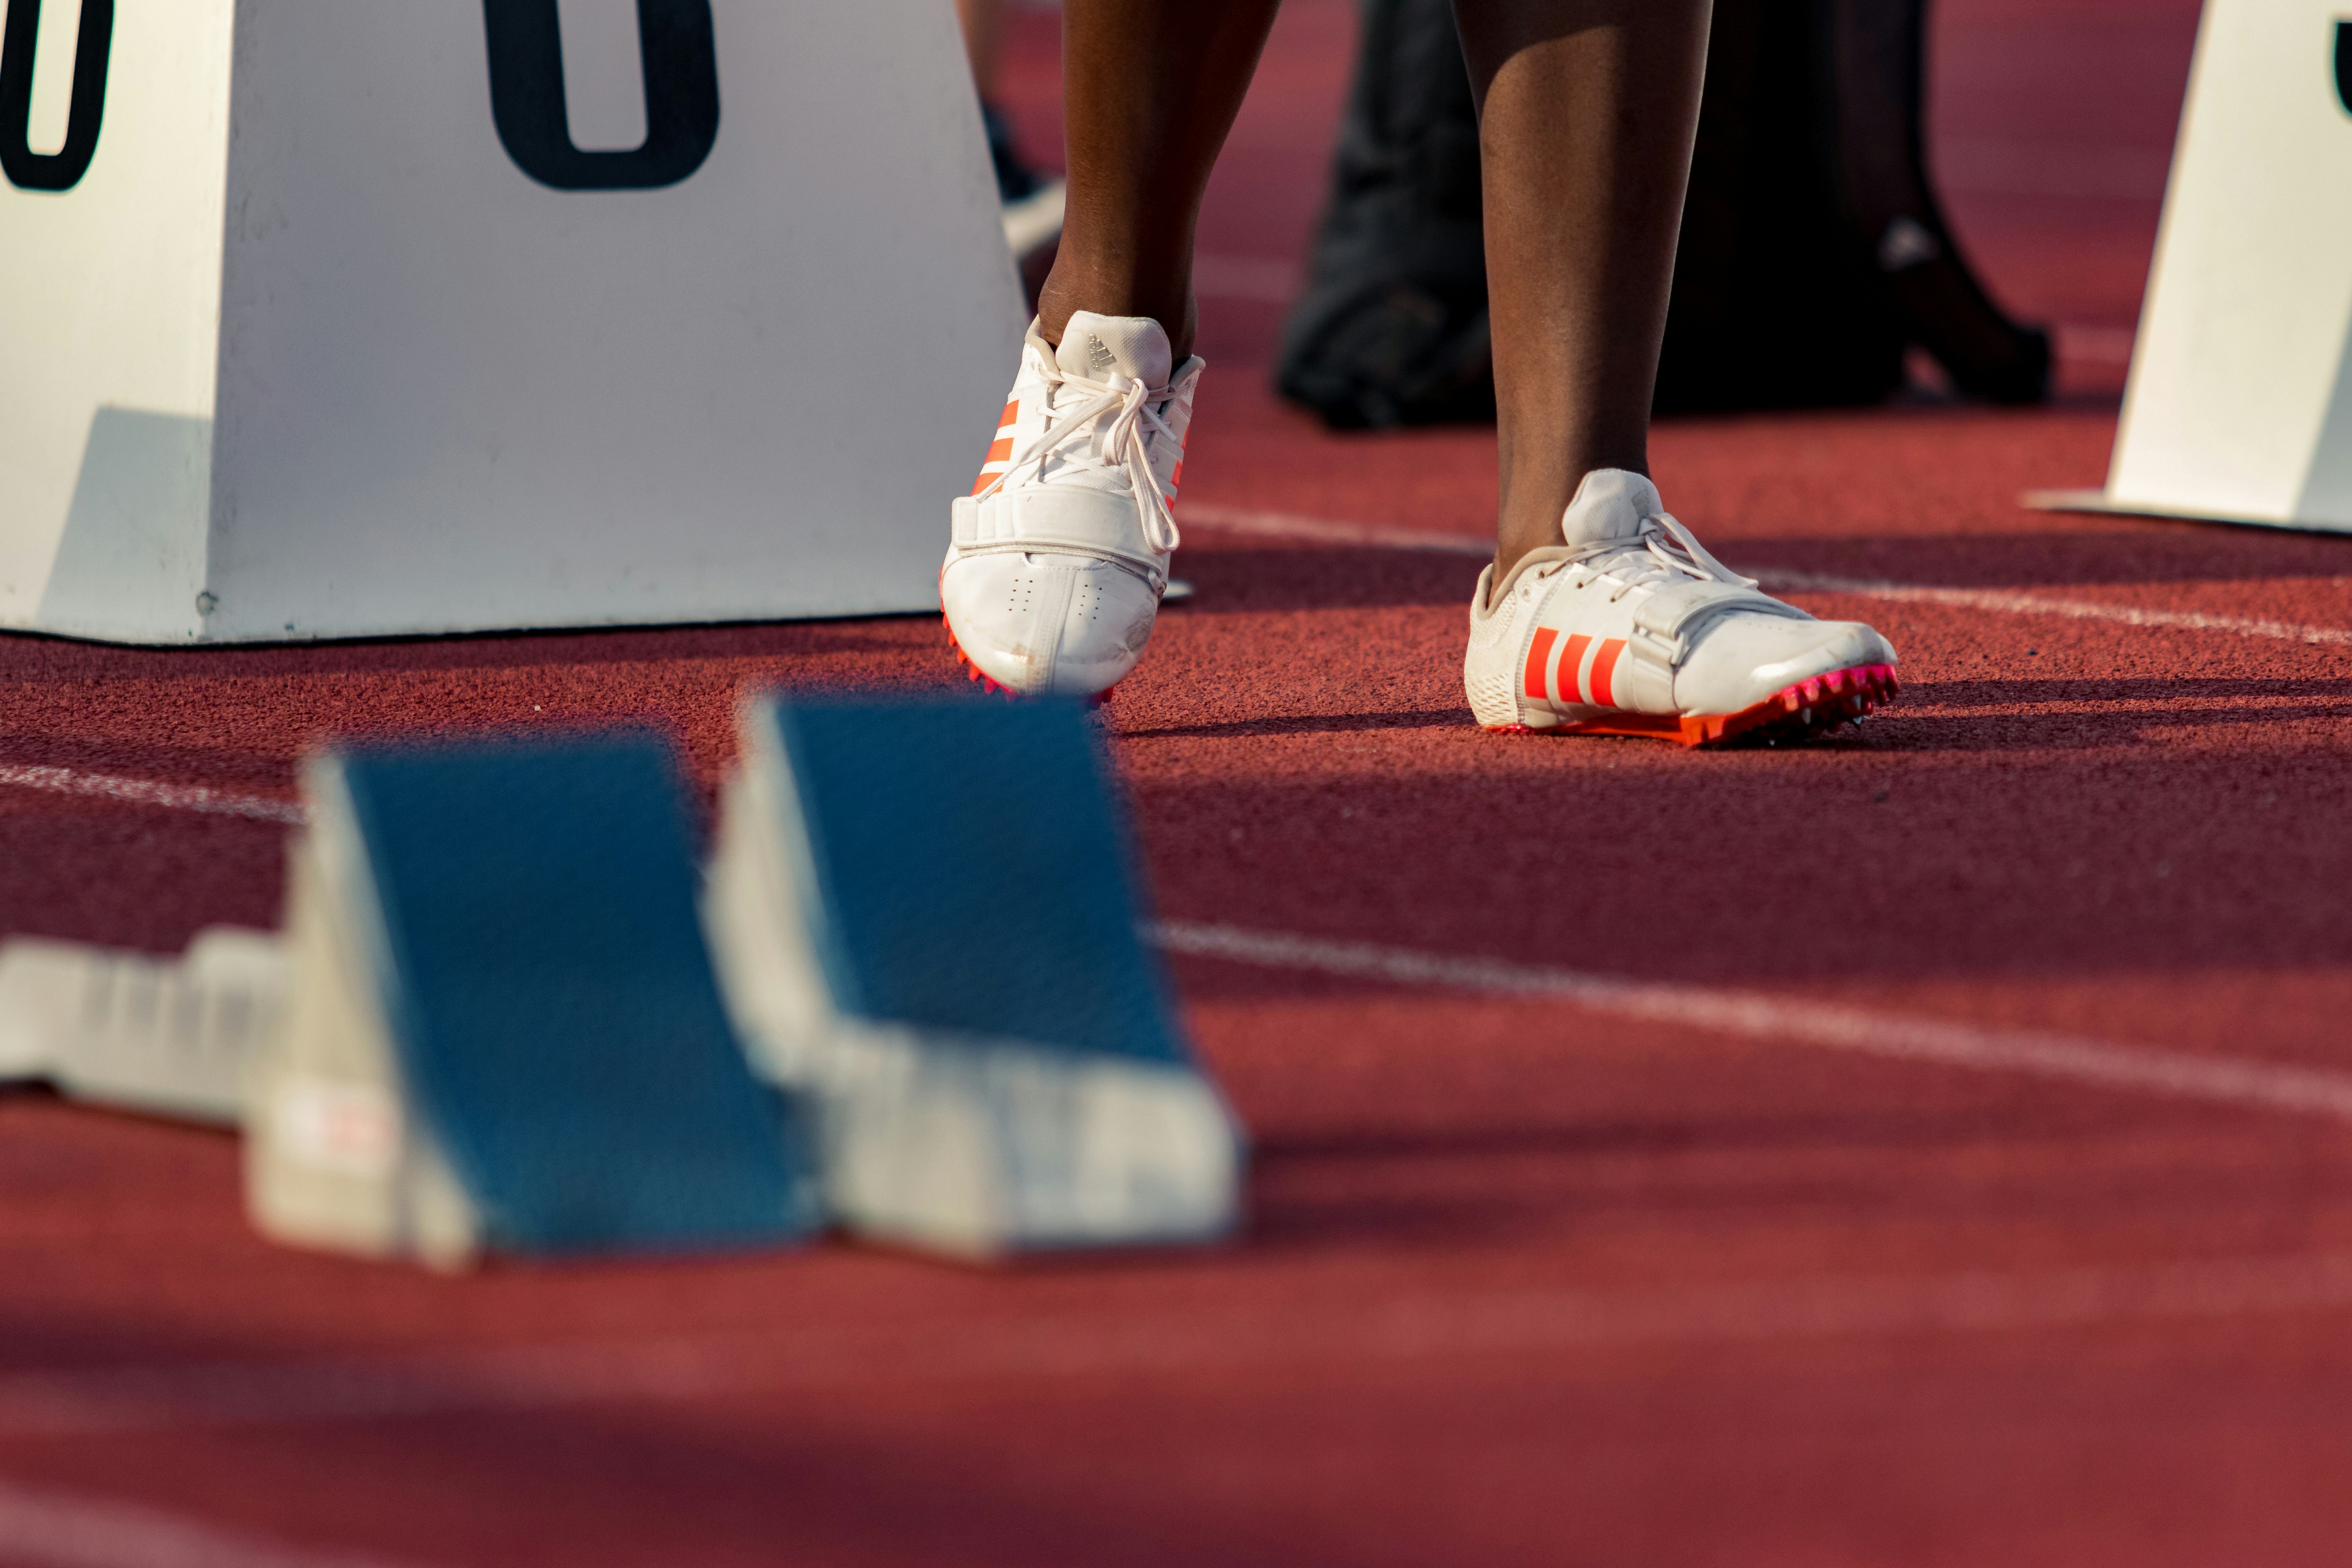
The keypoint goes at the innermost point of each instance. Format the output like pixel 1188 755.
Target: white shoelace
pixel 1123 446
pixel 1666 549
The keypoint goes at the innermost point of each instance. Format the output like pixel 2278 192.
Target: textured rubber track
pixel 1821 706
pixel 1524 1276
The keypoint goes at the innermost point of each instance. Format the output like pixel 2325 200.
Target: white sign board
pixel 342 318
pixel 2240 402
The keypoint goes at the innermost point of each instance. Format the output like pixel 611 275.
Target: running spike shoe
pixel 1060 553
pixel 1630 627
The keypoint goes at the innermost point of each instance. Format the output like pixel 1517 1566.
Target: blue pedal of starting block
pixel 926 914
pixel 513 928
pixel 968 872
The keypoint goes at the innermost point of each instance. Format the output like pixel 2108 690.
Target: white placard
pixel 339 333
pixel 2240 402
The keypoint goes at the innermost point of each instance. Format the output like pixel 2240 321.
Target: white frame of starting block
pixel 163 1036
pixel 966 1144
pixel 331 1159
pixel 2239 407
pixel 305 352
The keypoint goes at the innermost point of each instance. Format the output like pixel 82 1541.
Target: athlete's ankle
pixel 1057 302
pixel 1515 537
pixel 1533 504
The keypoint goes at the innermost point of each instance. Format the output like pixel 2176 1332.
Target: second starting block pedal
pixel 926 920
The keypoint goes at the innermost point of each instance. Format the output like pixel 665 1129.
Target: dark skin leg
pixel 1587 109
pixel 1149 89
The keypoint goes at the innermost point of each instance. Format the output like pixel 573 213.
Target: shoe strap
pixel 1063 521
pixel 1668 616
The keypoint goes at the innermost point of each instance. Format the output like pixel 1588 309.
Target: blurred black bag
pixel 1812 251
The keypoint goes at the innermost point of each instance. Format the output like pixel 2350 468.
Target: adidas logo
pixel 1098 357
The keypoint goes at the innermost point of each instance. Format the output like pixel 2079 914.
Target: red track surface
pixel 1529 1281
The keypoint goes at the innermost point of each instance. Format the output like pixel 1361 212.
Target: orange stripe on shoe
pixel 1571 669
pixel 1604 670
pixel 1539 661
pixel 1000 451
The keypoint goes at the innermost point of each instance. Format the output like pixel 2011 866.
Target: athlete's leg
pixel 1149 89
pixel 983 40
pixel 1617 621
pixel 1059 557
pixel 1587 109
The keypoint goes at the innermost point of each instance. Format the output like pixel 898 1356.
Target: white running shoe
pixel 1060 553
pixel 1631 628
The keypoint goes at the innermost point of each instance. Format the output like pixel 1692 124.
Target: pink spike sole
pixel 996 687
pixel 1821 706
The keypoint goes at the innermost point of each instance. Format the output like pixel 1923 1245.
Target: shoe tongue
pixel 1099 347
pixel 1609 505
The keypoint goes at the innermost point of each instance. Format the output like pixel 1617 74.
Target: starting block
pixel 164 1037
pixel 926 922
pixel 424 316
pixel 2239 407
pixel 503 1031
pixel 913 998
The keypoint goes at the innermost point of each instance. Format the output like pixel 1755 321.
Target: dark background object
pixel 1814 253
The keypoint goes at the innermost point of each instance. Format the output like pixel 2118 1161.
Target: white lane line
pixel 1335 1339
pixel 62 1530
pixel 1330 530
pixel 147 791
pixel 2221 1081
pixel 2034 605
pixel 1284 525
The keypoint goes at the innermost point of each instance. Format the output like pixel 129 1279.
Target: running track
pixel 1932 1147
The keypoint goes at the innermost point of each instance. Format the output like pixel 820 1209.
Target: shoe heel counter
pixel 1492 702
pixel 1489 663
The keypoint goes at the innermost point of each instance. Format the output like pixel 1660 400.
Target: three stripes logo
pixel 1574 669
pixel 1000 453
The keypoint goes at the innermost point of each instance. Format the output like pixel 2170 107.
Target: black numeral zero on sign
pixel 681 62
pixel 2344 64
pixel 61 170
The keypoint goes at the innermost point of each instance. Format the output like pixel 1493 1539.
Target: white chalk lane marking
pixel 45 1528
pixel 2219 1081
pixel 1286 525
pixel 147 792
pixel 1336 1341
pixel 2222 1081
